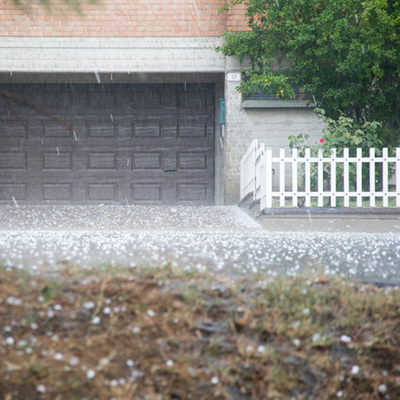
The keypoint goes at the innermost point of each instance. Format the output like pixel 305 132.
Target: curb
pixel 384 213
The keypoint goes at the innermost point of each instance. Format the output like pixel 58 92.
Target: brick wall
pixel 123 18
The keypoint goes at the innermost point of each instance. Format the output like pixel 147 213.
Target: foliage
pixel 338 134
pixel 345 52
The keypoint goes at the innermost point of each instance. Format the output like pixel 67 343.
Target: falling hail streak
pixel 96 74
pixel 76 138
pixel 315 102
pixel 58 150
pixel 15 202
pixel 111 116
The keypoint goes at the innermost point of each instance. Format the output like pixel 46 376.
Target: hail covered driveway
pixel 221 240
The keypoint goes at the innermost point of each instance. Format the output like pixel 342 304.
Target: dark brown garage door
pixel 122 144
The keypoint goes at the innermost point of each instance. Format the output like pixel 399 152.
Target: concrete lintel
pixel 52 54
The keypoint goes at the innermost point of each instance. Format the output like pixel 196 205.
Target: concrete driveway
pixel 220 240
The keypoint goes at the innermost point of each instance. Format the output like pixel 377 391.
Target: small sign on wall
pixel 234 76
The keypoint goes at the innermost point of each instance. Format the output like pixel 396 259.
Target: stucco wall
pixel 270 125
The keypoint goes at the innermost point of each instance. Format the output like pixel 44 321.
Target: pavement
pixel 362 223
pixel 217 240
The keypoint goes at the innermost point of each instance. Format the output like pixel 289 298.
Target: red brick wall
pixel 121 18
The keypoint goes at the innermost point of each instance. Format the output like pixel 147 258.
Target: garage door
pixel 120 144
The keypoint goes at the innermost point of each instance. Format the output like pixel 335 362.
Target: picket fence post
pixel 259 167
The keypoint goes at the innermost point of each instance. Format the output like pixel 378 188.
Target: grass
pixel 163 333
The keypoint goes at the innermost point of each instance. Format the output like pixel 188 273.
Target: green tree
pixel 345 52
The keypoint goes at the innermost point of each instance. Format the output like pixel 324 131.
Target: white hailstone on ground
pixel 345 339
pixel 130 363
pixel 382 388
pixel 90 374
pixel 88 305
pixel 296 342
pixel 50 313
pixel 58 356
pixel 169 363
pixel 96 320
pixel 73 361
pixel 306 311
pixel 339 394
pixel 355 369
pixel 151 313
pixel 57 307
pixel 41 388
pixel 260 349
pixel 214 380
pixel 135 329
pixel 9 341
pixel 106 310
pixel 316 337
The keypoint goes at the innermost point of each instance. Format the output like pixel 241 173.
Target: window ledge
pixel 277 104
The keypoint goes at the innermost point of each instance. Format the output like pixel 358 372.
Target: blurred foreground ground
pixel 137 303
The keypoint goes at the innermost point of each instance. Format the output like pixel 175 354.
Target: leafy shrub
pixel 338 134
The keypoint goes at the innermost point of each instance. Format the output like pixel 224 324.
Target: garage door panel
pixel 54 159
pixel 57 98
pixel 57 192
pixel 104 192
pixel 192 160
pixel 143 144
pixel 147 192
pixel 13 160
pixel 102 161
pixel 147 160
pixel 101 128
pixel 16 191
pixel 12 127
pixel 192 192
pixel 146 128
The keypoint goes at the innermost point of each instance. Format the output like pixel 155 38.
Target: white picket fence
pixel 259 168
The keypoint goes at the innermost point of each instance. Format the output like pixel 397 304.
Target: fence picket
pixel 320 178
pixel 398 177
pixel 333 178
pixel 268 178
pixel 385 175
pixel 257 176
pixel 307 167
pixel 346 178
pixel 372 177
pixel 359 177
pixel 294 178
pixel 282 177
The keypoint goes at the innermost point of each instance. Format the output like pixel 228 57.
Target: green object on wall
pixel 222 111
